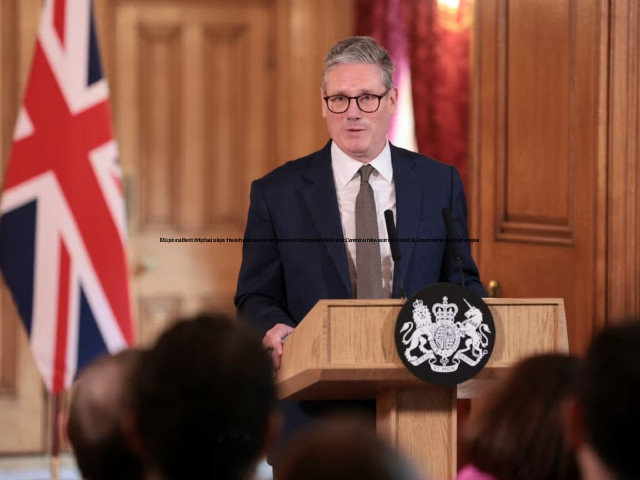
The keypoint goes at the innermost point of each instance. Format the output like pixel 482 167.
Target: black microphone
pixel 451 236
pixel 395 248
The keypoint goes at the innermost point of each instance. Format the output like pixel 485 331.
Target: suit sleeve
pixel 261 297
pixel 450 270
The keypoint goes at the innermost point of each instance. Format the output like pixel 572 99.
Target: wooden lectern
pixel 344 349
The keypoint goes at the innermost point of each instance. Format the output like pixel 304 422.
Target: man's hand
pixel 272 341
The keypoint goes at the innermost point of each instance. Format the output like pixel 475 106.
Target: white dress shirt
pixel 347 181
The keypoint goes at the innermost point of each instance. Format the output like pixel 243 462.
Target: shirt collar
pixel 346 168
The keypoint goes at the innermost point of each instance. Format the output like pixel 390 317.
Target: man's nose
pixel 353 112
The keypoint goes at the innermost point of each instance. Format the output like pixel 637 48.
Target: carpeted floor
pixel 36 468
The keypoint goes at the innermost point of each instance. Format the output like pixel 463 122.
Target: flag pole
pixel 55 437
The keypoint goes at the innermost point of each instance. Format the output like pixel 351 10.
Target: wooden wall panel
pixel 536 114
pixel 8 96
pixel 9 350
pixel 623 174
pixel 555 127
pixel 226 91
pixel 22 397
pixel 537 153
pixel 312 27
pixel 159 313
pixel 8 80
pixel 538 111
pixel 23 404
pixel 159 128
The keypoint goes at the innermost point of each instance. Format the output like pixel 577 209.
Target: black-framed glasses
pixel 367 102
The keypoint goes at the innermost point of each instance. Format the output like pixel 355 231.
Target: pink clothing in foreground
pixel 472 473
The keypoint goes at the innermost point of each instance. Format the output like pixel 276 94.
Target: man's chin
pixel 355 150
pixel 359 155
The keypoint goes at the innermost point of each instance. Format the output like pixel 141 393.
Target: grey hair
pixel 359 50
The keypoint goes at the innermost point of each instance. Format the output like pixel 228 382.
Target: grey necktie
pixel 368 264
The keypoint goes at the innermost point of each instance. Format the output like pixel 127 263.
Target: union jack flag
pixel 62 224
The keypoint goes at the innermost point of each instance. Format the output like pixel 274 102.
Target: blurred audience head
pixel 517 432
pixel 605 418
pixel 101 401
pixel 205 401
pixel 342 449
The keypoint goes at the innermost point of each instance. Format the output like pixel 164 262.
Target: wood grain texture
pixel 347 326
pixel 623 197
pixel 154 316
pixel 22 395
pixel 312 28
pixel 422 425
pixel 159 128
pixel 9 353
pixel 537 108
pixel 539 52
pixel 345 349
pixel 200 79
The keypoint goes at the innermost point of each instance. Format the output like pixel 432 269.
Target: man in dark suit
pixel 293 253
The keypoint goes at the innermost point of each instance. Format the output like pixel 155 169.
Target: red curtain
pixel 437 35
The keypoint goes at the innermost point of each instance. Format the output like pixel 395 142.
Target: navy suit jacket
pixel 286 265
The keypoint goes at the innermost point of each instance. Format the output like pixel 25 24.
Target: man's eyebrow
pixel 364 92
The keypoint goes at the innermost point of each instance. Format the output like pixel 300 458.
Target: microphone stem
pixel 459 262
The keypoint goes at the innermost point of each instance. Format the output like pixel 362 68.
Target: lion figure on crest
pixel 422 332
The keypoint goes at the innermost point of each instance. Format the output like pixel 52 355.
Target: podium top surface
pixel 346 348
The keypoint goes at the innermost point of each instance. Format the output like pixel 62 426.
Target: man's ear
pixel 572 422
pixel 393 98
pixel 323 104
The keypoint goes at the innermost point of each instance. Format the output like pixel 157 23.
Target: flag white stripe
pixel 54 222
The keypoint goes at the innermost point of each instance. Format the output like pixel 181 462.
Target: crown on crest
pixel 445 310
pixel 420 308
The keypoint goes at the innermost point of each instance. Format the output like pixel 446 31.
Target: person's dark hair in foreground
pixel 100 401
pixel 606 416
pixel 517 433
pixel 205 400
pixel 342 449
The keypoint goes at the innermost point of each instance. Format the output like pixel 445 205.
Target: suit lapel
pixel 319 193
pixel 408 206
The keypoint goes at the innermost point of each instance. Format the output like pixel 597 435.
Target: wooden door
pixel 193 97
pixel 208 96
pixel 539 86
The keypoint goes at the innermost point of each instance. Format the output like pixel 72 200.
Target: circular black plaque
pixel 445 334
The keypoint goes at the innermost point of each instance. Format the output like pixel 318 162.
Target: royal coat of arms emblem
pixel 442 333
